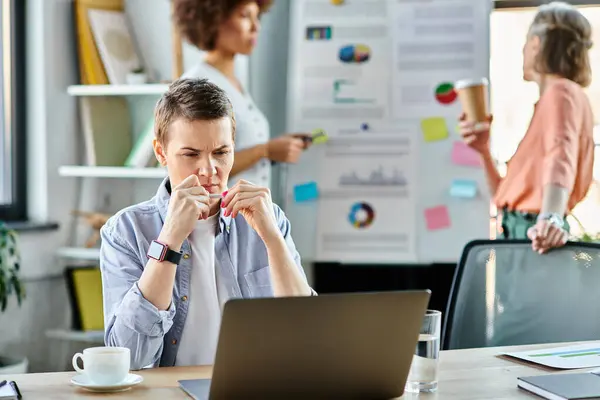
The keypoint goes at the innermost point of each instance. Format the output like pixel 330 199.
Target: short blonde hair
pixel 191 99
pixel 565 36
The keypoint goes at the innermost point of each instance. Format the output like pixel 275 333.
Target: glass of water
pixel 423 376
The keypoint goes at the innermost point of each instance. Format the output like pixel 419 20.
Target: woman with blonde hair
pixel 551 171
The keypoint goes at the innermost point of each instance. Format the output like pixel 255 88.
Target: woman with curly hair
pixel 223 29
pixel 552 169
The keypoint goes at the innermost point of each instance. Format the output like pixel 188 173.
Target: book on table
pixel 572 386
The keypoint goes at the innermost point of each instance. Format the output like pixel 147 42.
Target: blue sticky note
pixel 306 192
pixel 464 188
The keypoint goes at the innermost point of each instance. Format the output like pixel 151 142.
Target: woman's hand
pixel 287 148
pixel 476 134
pixel 305 137
pixel 546 235
pixel 254 203
pixel 189 202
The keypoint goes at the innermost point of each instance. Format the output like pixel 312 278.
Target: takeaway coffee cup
pixel 104 365
pixel 473 97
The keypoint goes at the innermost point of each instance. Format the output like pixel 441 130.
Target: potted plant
pixel 137 76
pixel 585 236
pixel 10 285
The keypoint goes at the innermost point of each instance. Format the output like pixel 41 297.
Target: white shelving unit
pixel 78 253
pixel 76 336
pixel 111 172
pixel 117 90
pixel 114 172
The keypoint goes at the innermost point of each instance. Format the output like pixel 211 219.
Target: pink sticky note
pixel 462 154
pixel 437 218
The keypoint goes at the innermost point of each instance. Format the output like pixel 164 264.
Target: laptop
pixel 350 346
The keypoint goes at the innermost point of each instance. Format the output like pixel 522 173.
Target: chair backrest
pixel 505 294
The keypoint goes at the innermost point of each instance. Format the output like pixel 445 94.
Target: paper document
pixel 568 357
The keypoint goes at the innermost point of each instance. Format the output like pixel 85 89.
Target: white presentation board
pixel 395 183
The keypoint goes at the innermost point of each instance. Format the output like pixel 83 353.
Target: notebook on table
pixel 574 386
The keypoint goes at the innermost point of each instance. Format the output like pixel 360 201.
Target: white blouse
pixel 252 127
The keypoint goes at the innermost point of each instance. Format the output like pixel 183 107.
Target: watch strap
pixel 173 256
pixel 553 218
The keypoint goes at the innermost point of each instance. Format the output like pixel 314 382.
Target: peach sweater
pixel 558 148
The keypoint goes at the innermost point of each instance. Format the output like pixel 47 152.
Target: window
pixel 12 111
pixel 512 99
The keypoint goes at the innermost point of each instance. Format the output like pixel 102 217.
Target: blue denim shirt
pixel 130 320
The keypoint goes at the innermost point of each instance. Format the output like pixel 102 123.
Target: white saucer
pixel 128 383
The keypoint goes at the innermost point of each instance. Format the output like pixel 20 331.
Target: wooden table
pixel 464 374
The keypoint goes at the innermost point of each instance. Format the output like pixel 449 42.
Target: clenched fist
pixel 189 202
pixel 286 148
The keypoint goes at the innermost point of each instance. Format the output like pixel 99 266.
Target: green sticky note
pixel 434 129
pixel 319 136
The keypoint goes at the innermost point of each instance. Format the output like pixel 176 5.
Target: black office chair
pixel 506 294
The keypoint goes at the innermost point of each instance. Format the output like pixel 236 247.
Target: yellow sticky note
pixel 337 2
pixel 434 129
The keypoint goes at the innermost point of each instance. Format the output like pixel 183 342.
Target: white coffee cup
pixel 104 365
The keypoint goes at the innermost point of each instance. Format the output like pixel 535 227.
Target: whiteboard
pixel 395 183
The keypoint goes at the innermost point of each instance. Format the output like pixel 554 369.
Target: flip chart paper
pixel 463 155
pixel 464 188
pixel 437 218
pixel 306 192
pixel 434 129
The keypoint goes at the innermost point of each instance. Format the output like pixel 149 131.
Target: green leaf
pixel 17 286
pixel 9 267
pixel 3 294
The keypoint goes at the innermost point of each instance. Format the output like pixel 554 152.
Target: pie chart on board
pixel 445 93
pixel 361 215
pixel 354 53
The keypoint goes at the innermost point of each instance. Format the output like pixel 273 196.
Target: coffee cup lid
pixel 465 83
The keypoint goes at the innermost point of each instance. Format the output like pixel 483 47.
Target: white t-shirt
pixel 251 125
pixel 201 330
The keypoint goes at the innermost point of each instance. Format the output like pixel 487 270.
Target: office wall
pixel 268 76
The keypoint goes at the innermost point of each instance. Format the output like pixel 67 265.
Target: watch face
pixel 157 251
